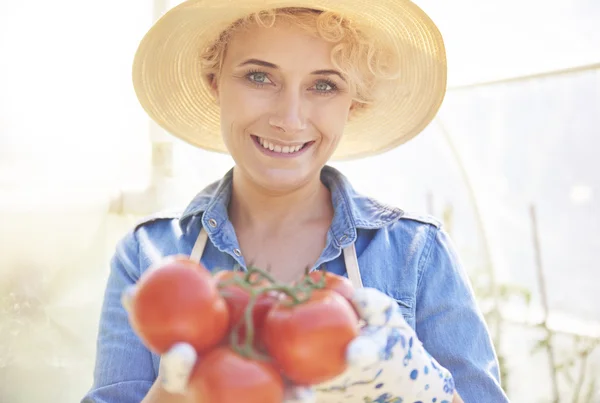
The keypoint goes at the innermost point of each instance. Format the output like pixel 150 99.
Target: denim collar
pixel 352 210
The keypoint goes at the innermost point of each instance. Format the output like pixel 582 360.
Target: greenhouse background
pixel 510 165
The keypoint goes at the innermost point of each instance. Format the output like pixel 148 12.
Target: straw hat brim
pixel 170 88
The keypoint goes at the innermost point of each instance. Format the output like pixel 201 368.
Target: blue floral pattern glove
pixel 387 362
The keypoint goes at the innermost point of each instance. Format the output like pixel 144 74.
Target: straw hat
pixel 170 88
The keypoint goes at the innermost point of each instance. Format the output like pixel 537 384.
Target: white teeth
pixel 279 149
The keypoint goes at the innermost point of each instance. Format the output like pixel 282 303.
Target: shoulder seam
pixel 422 218
pixel 156 217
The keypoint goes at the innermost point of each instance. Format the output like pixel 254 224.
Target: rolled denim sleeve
pixel 124 370
pixel 453 330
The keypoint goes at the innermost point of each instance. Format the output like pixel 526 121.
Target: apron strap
pixel 199 246
pixel 350 258
pixel 351 261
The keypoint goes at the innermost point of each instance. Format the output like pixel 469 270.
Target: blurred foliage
pixel 571 366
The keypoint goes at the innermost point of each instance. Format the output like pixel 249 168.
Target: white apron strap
pixel 199 246
pixel 351 262
pixel 350 258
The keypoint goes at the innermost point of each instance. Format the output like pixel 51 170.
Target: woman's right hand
pixel 175 369
pixel 174 372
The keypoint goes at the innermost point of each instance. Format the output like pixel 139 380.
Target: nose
pixel 289 116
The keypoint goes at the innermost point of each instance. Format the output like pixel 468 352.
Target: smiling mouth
pixel 281 149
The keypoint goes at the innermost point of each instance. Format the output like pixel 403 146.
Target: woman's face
pixel 283 105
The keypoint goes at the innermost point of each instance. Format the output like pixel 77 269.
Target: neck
pixel 253 206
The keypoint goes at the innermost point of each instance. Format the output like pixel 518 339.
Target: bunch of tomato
pixel 252 334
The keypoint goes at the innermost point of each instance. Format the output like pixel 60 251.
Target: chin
pixel 283 180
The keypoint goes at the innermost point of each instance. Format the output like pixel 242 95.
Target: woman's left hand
pixel 386 362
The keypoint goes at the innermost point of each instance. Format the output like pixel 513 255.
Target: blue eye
pixel 323 87
pixel 258 77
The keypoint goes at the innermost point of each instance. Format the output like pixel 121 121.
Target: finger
pixel 377 308
pixel 299 394
pixel 381 343
pixel 176 366
pixel 363 351
pixel 127 296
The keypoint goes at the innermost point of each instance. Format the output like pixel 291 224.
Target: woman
pixel 284 90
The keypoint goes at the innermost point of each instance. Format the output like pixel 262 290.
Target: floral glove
pixel 387 362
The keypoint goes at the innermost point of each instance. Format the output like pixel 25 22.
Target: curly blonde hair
pixel 365 63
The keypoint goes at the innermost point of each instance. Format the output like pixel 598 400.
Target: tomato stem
pixel 226 283
pixel 310 282
pixel 246 349
pixel 298 294
pixel 261 275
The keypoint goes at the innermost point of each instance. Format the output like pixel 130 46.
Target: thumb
pixel 176 366
pixel 377 308
pixel 299 394
pixel 365 350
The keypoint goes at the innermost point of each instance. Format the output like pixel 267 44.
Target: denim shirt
pixel 409 257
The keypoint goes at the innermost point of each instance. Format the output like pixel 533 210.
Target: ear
pixel 213 85
pixel 354 106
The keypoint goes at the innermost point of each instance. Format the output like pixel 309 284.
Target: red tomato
pixel 223 376
pixel 178 301
pixel 237 300
pixel 309 340
pixel 339 284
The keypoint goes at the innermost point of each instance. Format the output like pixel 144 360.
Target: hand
pixel 387 362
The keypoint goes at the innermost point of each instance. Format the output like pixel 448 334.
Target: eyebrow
pixel 269 65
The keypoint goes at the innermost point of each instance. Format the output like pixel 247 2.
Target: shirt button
pixel 237 252
pixel 212 222
pixel 343 238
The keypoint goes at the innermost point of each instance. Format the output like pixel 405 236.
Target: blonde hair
pixel 365 63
